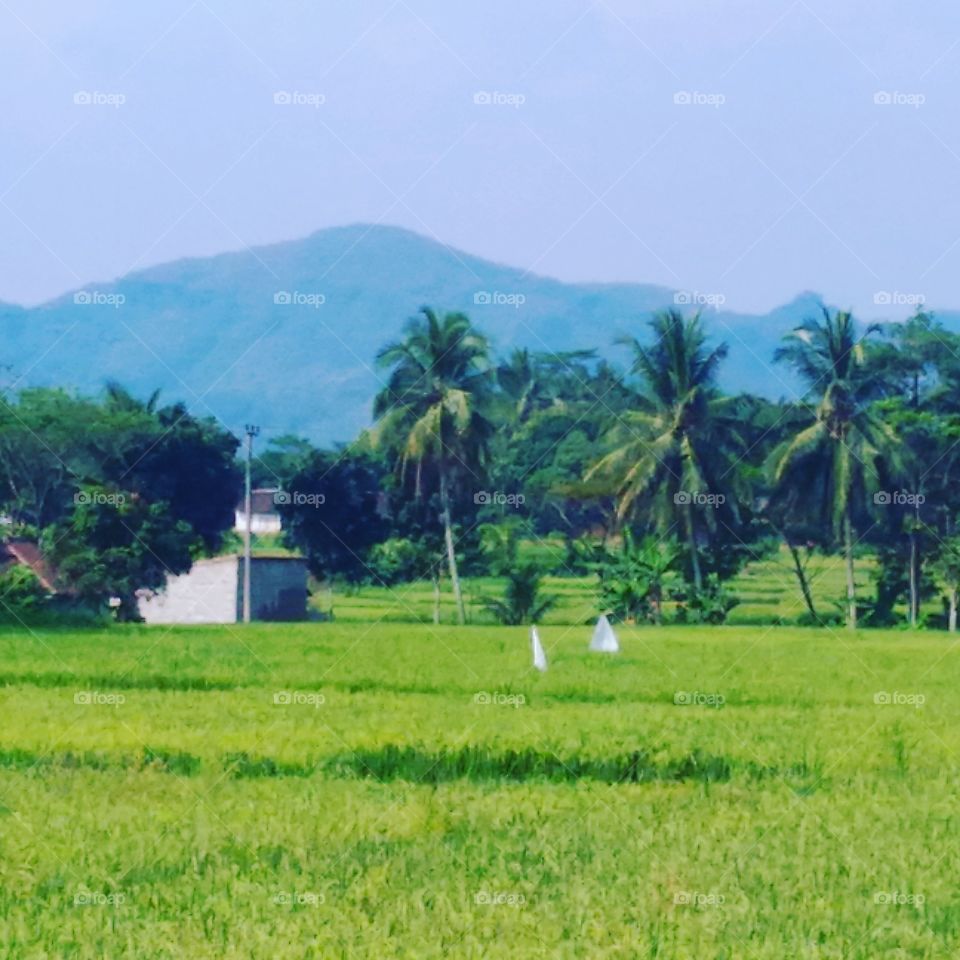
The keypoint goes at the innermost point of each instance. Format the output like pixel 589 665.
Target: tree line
pixel 650 476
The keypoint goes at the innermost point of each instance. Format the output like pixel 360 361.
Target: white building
pixel 212 592
pixel 264 516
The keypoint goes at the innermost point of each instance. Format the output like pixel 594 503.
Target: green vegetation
pixel 492 479
pixel 418 791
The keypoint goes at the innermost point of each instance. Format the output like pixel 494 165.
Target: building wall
pixel 259 522
pixel 278 589
pixel 212 592
pixel 206 594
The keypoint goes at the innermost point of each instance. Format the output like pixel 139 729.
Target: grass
pixel 767 590
pixel 398 790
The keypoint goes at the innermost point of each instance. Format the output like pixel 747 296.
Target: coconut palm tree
pixel 677 446
pixel 431 412
pixel 841 448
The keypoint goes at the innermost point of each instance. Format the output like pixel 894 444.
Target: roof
pixel 261 501
pixel 254 558
pixel 28 554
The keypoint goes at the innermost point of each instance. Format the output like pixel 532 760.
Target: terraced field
pixel 767 590
pixel 392 790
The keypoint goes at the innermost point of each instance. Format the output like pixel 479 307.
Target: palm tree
pixel 431 412
pixel 839 450
pixel 677 446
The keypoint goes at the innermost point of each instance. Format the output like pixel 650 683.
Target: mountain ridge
pixel 285 334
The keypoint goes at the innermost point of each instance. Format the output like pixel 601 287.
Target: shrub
pixel 22 596
pixel 634 582
pixel 522 600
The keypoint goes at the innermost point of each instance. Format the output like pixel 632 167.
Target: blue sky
pixel 748 149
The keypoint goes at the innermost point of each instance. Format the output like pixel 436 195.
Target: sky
pixel 743 150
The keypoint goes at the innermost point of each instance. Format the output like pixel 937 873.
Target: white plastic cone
pixel 539 657
pixel 604 639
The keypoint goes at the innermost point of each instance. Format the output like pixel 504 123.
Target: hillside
pixel 285 335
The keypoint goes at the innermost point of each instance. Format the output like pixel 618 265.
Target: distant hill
pixel 285 335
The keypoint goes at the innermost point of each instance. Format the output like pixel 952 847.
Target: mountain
pixel 285 335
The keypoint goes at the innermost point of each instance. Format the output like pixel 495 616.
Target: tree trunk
pixel 436 596
pixel 914 579
pixel 848 559
pixel 451 553
pixel 802 578
pixel 694 557
pixel 953 610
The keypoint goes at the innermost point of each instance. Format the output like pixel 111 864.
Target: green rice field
pixel 767 591
pixel 404 790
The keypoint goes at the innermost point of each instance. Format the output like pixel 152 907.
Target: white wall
pixel 208 593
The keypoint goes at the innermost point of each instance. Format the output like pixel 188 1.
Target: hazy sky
pixel 780 173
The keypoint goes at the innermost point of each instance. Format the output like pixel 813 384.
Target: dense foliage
pixel 649 477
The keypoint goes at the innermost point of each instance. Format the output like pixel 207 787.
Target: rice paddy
pixel 404 790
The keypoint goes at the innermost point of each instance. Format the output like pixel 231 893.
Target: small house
pixel 264 516
pixel 212 592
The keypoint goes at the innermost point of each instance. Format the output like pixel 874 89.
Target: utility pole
pixel 251 431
